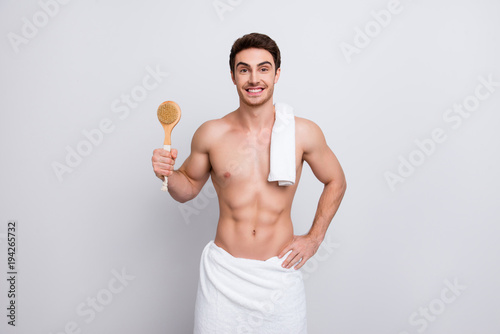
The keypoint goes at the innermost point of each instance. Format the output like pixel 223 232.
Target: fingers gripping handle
pixel 164 187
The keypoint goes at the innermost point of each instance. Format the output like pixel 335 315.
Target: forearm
pixel 328 204
pixel 180 187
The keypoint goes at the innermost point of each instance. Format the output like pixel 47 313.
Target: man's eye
pixel 243 70
pixel 265 69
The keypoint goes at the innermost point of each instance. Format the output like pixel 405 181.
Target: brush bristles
pixel 167 113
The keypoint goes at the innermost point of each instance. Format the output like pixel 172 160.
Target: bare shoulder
pixel 306 125
pixel 308 133
pixel 208 133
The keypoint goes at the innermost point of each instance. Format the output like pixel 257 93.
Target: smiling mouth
pixel 254 90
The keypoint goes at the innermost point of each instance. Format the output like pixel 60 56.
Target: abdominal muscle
pixel 255 221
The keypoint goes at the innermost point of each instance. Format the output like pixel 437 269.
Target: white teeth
pixel 255 90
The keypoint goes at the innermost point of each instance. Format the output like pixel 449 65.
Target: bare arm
pixel 327 170
pixel 185 183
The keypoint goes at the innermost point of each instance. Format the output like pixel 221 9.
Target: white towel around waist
pixel 282 155
pixel 237 295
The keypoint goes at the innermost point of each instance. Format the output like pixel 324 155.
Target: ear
pixel 277 75
pixel 232 77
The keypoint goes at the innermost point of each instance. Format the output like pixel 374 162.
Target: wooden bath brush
pixel 169 114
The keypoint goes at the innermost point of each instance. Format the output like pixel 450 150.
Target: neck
pixel 255 118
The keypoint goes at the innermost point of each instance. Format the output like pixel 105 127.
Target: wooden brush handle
pixel 164 187
pixel 168 133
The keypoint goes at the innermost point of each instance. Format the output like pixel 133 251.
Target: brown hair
pixel 255 40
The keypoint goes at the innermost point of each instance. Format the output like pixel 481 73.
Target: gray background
pixel 388 252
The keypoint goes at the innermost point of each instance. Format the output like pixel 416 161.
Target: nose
pixel 254 78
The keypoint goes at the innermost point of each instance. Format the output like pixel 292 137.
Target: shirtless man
pixel 255 214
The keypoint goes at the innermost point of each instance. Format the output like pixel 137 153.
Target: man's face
pixel 254 76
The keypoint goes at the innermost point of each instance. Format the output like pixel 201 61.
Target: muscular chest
pixel 239 158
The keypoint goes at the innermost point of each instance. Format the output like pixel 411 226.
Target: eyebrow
pixel 260 64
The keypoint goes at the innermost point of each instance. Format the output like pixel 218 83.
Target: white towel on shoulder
pixel 282 158
pixel 238 295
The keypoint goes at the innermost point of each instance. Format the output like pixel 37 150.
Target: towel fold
pixel 238 295
pixel 282 158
